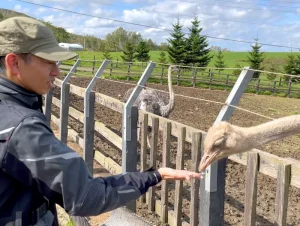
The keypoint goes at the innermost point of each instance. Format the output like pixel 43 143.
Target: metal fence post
pixel 64 104
pixel 129 126
pixel 89 123
pixel 212 188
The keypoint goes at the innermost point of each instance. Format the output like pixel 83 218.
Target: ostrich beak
pixel 207 159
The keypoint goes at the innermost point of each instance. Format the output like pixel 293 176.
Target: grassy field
pixel 231 58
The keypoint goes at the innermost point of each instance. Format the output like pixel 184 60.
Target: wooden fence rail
pixel 194 77
pixel 286 171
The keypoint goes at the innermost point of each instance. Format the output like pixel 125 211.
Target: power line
pixel 250 3
pixel 238 7
pixel 149 26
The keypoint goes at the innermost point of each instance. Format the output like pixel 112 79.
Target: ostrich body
pixel 225 139
pixel 153 101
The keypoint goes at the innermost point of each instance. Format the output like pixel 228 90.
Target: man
pixel 37 170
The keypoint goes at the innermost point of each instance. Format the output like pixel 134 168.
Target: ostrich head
pixel 221 141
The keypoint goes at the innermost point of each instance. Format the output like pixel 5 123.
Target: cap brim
pixel 55 53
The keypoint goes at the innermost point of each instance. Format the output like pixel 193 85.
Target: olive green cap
pixel 27 35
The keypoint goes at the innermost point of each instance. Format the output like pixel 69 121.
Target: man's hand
pixel 172 174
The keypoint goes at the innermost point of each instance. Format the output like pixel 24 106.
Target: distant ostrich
pixel 153 101
pixel 225 139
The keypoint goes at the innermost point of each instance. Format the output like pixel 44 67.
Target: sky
pixel 275 22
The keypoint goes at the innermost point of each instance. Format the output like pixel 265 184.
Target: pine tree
pixel 256 58
pixel 176 44
pixel 106 54
pixel 142 50
pixel 128 52
pixel 292 67
pixel 220 63
pixel 237 71
pixel 162 58
pixel 196 47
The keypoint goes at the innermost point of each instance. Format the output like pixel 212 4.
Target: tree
pixel 162 58
pixel 256 58
pixel 128 52
pixel 176 44
pixel 196 47
pixel 142 50
pixel 273 68
pixel 220 63
pixel 237 71
pixel 106 54
pixel 60 33
pixel 292 67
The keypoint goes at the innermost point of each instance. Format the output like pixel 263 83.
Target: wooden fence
pixel 286 171
pixel 189 76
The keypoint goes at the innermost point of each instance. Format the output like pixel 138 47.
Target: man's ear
pixel 12 63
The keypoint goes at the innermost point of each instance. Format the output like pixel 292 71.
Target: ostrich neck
pixel 273 130
pixel 166 110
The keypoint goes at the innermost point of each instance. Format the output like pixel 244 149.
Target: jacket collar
pixel 15 93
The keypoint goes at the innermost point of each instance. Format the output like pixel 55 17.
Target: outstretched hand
pixel 172 174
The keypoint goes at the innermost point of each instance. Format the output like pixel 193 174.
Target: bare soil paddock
pixel 201 115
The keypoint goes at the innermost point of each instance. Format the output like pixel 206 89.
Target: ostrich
pixel 153 101
pixel 225 139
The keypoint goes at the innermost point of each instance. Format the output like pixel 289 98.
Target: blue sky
pixel 274 22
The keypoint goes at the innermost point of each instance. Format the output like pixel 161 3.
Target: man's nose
pixel 55 71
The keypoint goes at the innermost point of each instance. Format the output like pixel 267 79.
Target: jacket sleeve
pixel 38 159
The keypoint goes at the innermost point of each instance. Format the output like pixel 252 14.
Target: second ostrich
pixel 156 102
pixel 225 139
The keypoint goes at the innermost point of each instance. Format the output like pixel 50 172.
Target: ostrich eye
pixel 219 142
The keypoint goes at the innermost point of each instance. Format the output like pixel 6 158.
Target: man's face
pixel 37 74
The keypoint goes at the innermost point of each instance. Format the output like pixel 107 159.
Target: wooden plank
pixel 143 158
pixel 282 192
pixel 79 91
pixel 109 102
pixel 99 127
pixel 179 184
pixel 251 190
pixel 165 163
pixel 153 154
pixel 195 183
pixel 176 126
pixel 269 164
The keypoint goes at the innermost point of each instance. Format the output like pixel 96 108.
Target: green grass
pixel 231 58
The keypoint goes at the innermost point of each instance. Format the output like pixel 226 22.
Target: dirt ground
pixel 201 115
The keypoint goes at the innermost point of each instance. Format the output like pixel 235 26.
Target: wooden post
pixel 143 159
pixel 128 71
pixel 165 163
pixel 153 154
pixel 194 77
pixel 64 113
pixel 251 190
pixel 210 78
pixel 93 70
pixel 110 70
pixel 48 105
pixel 129 158
pixel 282 193
pixel 89 128
pixel 162 74
pixel 117 63
pixel 280 80
pixel 195 187
pixel 227 77
pixel 290 87
pixel 274 88
pixel 179 184
pixel 178 76
pixel 257 86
